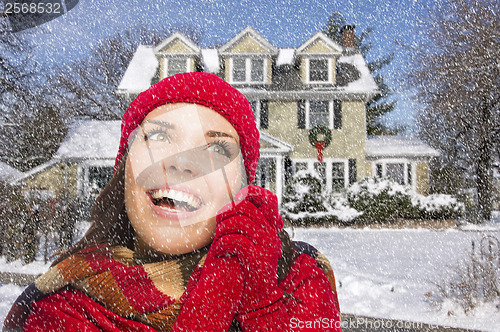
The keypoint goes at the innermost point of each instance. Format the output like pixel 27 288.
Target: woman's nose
pixel 186 163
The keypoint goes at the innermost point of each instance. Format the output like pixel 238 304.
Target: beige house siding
pixel 176 47
pixel 303 70
pixel 282 119
pixel 269 65
pixel 318 46
pixel 56 179
pixel 422 178
pixel 369 169
pixel 347 143
pixel 191 64
pixel 248 45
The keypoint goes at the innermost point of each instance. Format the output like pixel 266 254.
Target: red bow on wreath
pixel 320 146
pixel 320 137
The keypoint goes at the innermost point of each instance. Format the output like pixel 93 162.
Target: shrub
pixel 475 279
pixel 305 203
pixel 384 201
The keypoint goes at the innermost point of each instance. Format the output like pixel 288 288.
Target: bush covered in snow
pixel 369 201
pixel 305 203
pixel 382 201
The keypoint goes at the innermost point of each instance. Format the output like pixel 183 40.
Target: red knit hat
pixel 199 88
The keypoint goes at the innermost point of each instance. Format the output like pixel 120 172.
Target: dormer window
pixel 247 70
pixel 176 66
pixel 319 71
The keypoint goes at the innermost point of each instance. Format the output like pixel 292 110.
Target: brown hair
pixel 110 223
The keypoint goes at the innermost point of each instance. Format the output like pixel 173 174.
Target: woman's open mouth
pixel 175 201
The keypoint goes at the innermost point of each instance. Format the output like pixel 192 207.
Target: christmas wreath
pixel 324 133
pixel 320 137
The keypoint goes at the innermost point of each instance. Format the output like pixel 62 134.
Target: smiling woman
pixel 181 239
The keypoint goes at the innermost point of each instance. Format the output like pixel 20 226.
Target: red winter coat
pixel 310 302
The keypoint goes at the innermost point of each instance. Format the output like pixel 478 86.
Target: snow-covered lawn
pixel 386 273
pixel 382 273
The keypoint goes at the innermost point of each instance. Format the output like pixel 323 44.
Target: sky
pixel 285 23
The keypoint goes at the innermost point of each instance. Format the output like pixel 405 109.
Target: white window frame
pixel 83 174
pixel 256 111
pixel 405 162
pixel 166 63
pixel 248 70
pixel 308 114
pixel 330 71
pixel 329 169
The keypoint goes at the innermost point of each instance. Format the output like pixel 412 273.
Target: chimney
pixel 347 32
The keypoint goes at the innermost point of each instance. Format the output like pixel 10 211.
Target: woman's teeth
pixel 171 198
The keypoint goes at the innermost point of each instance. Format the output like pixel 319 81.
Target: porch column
pixel 279 177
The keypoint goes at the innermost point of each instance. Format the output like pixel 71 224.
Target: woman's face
pixel 175 176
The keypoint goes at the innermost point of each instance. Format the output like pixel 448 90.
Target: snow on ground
pixel 382 273
pixel 36 267
pixel 386 273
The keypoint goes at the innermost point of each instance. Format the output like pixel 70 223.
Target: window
pixel 319 113
pixel 266 173
pixel 99 176
pixel 300 166
pixel 257 71
pixel 260 112
pixel 311 113
pixel 318 70
pixel 239 70
pixel 338 176
pixel 175 66
pixel 247 70
pixel 398 171
pixel 395 172
pixel 320 168
pixel 331 171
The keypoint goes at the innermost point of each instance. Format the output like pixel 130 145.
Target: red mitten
pixel 248 230
pixel 239 276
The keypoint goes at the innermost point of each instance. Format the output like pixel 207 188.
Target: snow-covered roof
pixel 9 173
pixel 388 146
pixel 286 56
pixel 210 59
pixel 365 82
pixel 140 70
pixel 91 139
pixel 276 145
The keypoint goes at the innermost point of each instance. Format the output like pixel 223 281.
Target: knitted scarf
pixel 146 292
pixel 133 287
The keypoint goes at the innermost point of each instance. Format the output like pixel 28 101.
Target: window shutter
pixel 301 114
pixel 352 171
pixel 409 174
pixel 337 114
pixel 264 111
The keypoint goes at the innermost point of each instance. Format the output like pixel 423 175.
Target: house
pixel 301 97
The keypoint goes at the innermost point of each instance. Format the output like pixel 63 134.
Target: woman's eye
pixel 160 137
pixel 220 148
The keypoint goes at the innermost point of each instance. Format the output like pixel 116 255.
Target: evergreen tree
pixel 380 105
